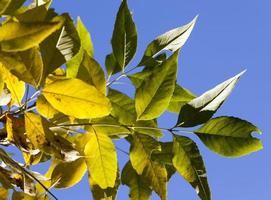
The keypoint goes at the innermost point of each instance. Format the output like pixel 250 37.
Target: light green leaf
pixel 67 174
pixel 123 107
pixel 16 36
pixel 139 189
pixel 141 149
pixel 154 94
pixel 229 136
pixel 180 97
pixel 202 108
pixel 101 159
pixel 188 162
pixel 76 98
pixel 148 127
pixel 124 38
pixel 91 72
pixel 171 40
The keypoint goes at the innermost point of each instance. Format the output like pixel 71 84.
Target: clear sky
pixel 229 36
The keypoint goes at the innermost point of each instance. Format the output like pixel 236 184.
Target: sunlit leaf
pixel 188 162
pixel 154 94
pixel 202 108
pixel 5 97
pixel 229 136
pixel 141 149
pixel 76 98
pixel 139 189
pixel 180 97
pixel 3 193
pixel 171 40
pixel 67 174
pixel 16 36
pixel 124 38
pixel 44 108
pixel 101 158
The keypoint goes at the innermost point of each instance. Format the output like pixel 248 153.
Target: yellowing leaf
pixel 229 136
pixel 67 174
pixel 141 149
pixel 3 193
pixel 15 36
pixel 139 189
pixel 9 6
pixel 101 158
pixel 44 108
pixel 188 162
pixel 76 98
pixel 154 94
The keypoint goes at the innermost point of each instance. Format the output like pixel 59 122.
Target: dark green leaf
pixel 112 66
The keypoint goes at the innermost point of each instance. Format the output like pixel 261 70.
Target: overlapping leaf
pixel 229 136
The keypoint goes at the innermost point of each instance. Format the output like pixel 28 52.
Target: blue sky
pixel 229 36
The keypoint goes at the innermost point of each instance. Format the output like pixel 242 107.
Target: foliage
pixel 57 106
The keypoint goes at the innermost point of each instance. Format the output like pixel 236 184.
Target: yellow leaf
pixel 76 98
pixel 101 158
pixel 45 108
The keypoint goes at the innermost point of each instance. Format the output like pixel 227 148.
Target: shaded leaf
pixel 9 6
pixel 139 189
pixel 188 162
pixel 229 136
pixel 44 107
pixel 202 108
pixel 3 193
pixel 124 38
pixel 87 101
pixel 171 40
pixel 16 36
pixel 180 97
pixel 101 159
pixel 154 94
pixel 112 66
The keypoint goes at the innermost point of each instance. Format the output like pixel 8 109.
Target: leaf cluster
pixel 58 104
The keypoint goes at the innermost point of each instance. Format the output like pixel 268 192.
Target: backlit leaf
pixel 76 98
pixel 101 159
pixel 154 94
pixel 124 38
pixel 202 108
pixel 171 40
pixel 229 136
pixel 44 107
pixel 16 36
pixel 188 162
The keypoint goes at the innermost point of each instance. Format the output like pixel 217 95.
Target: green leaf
pixel 124 38
pixel 16 36
pixel 188 162
pixel 141 149
pixel 101 159
pixel 73 64
pixel 148 127
pixel 180 97
pixel 202 108
pixel 67 174
pixel 229 136
pixel 123 107
pixel 112 66
pixel 165 155
pixel 139 189
pixel 154 94
pixel 91 72
pixel 171 40
pixel 87 101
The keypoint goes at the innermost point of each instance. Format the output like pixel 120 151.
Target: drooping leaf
pixel 180 97
pixel 124 38
pixel 67 174
pixel 91 72
pixel 171 40
pixel 76 98
pixel 202 108
pixel 44 108
pixel 188 162
pixel 141 149
pixel 139 189
pixel 154 94
pixel 101 159
pixel 229 136
pixel 123 107
pixel 16 36
pixel 165 155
